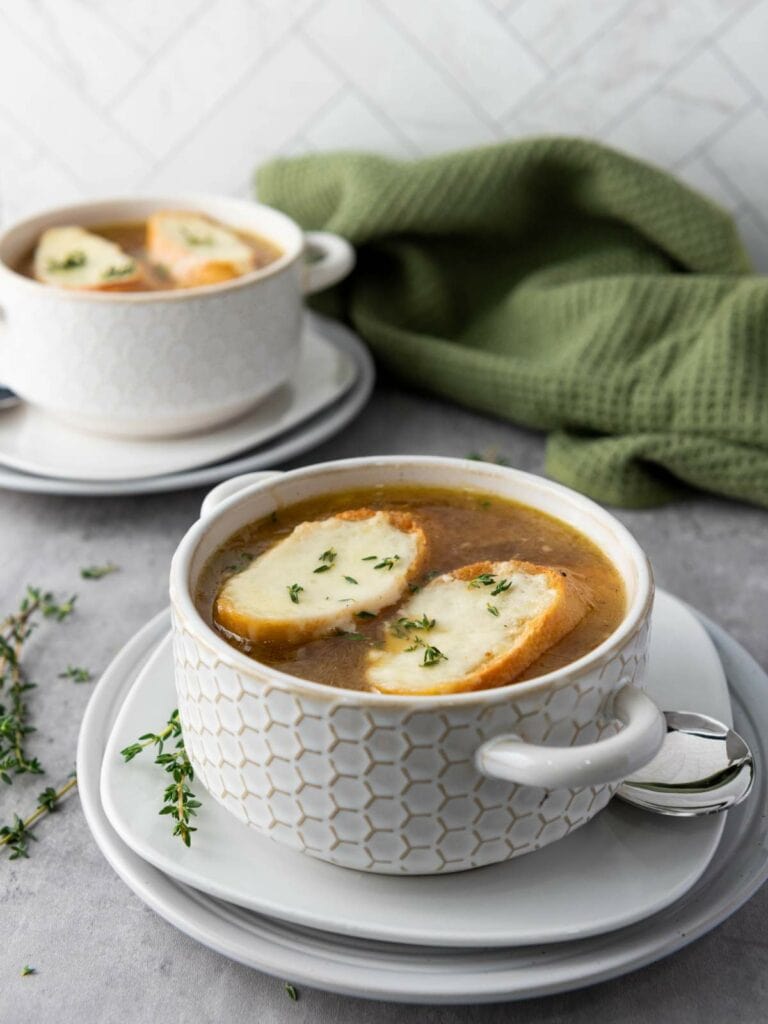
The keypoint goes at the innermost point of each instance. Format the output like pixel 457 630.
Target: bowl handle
pixel 331 258
pixel 594 764
pixel 227 488
pixel 7 397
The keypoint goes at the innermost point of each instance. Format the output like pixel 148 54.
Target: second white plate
pixel 623 866
pixel 36 443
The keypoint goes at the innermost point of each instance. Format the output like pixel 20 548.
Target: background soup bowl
pixel 152 364
pixel 411 785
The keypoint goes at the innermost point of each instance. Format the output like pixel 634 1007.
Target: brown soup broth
pixel 461 527
pixel 131 237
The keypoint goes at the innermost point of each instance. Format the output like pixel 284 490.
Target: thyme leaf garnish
pixel 500 587
pixel 112 272
pixel 493 609
pixel 351 579
pixel 386 563
pixel 293 592
pixel 432 655
pixel 71 261
pixel 178 799
pixel 424 623
pixel 327 559
pixel 485 579
pixel 369 558
pixel 191 238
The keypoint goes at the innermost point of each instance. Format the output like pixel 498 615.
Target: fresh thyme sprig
pixel 18 835
pixel 15 630
pixel 293 592
pixel 178 799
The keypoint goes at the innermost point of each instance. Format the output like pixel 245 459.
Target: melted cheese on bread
pixel 477 627
pixel 196 251
pixel 322 575
pixel 72 257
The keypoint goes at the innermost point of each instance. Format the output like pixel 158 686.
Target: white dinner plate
pixel 289 444
pixel 622 866
pixel 375 970
pixel 34 442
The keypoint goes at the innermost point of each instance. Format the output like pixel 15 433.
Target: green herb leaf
pixel 116 272
pixel 76 674
pixel 96 572
pixel 370 558
pixel 26 970
pixel 485 579
pixel 292 992
pixel 493 609
pixel 293 592
pixel 386 563
pixel 432 655
pixel 179 802
pixel 500 587
pixel 71 261
pixel 351 579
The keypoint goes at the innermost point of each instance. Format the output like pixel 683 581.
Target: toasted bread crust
pixel 292 631
pixel 542 632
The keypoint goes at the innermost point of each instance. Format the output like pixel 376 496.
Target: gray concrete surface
pixel 102 956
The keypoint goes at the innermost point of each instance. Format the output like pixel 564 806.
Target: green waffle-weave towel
pixel 564 286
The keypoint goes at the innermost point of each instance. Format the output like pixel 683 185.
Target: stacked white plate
pixel 331 384
pixel 626 889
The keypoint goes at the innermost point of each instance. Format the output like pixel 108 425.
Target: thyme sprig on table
pixel 18 835
pixel 178 799
pixel 15 630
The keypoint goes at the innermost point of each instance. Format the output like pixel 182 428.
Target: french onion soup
pixel 411 590
pixel 168 250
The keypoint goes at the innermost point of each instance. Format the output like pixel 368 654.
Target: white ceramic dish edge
pixel 377 971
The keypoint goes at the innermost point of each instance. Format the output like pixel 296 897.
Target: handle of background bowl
pixel 332 259
pixel 225 490
pixel 594 764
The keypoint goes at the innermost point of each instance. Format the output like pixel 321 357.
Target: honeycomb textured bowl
pixel 388 788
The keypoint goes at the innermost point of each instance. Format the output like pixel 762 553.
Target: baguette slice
pixel 195 250
pixel 365 561
pixel 71 257
pixel 474 628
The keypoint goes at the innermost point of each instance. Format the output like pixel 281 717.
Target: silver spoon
pixel 703 767
pixel 7 398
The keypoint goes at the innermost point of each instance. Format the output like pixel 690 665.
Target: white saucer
pixel 375 970
pixel 291 443
pixel 624 865
pixel 36 443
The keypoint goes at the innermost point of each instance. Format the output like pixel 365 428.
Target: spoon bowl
pixel 703 767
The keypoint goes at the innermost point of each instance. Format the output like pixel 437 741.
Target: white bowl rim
pixel 635 615
pixel 194 200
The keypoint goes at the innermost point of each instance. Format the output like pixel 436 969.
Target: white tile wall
pixel 99 96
